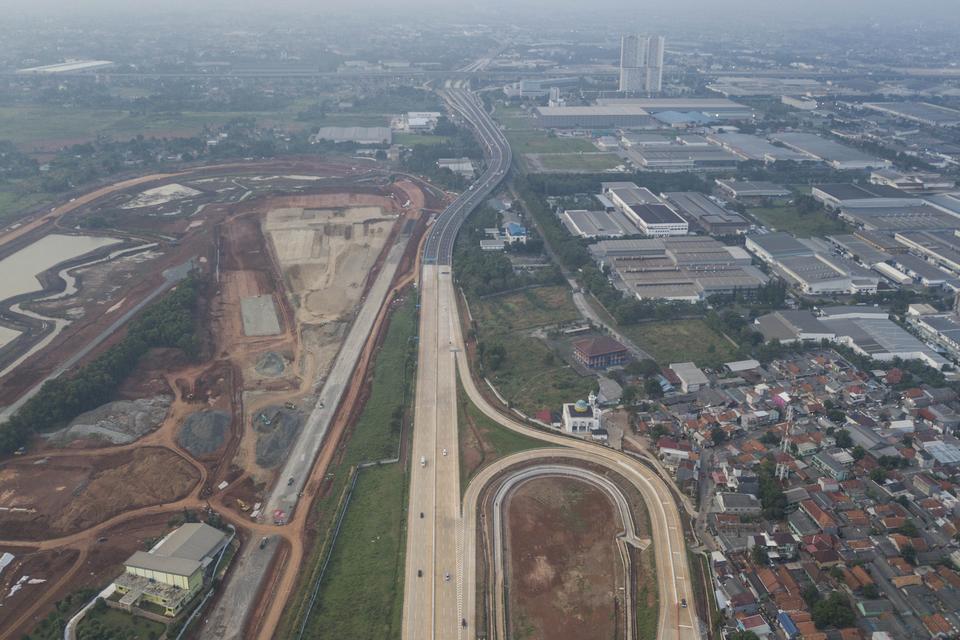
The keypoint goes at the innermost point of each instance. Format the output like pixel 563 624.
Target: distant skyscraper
pixel 641 64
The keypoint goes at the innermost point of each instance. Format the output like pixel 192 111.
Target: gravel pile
pixel 204 432
pixel 119 422
pixel 275 439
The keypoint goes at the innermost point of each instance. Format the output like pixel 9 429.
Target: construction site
pixel 286 255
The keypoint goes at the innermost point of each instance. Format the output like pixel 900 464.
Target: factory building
pixel 706 214
pixel 598 117
pixel 751 191
pixel 645 210
pixel 833 153
pixel 751 147
pixel 688 268
pixel 172 572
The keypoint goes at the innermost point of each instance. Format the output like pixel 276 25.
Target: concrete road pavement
pixel 432 603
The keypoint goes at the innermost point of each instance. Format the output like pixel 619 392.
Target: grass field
pixel 539 142
pixel 514 118
pixel 16 196
pixel 804 225
pixel 413 140
pixel 575 162
pixel 524 309
pixel 104 622
pixel 42 127
pixel 531 377
pixel 681 341
pixel 482 440
pixel 362 591
pixel 648 598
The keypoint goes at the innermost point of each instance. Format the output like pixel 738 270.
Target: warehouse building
pixel 771 247
pixel 169 575
pixel 940 249
pixel 833 153
pixel 358 135
pixel 922 112
pixel 859 250
pixel 942 329
pixel 600 117
pixel 918 216
pixel 679 157
pixel 719 108
pixel 688 268
pixel 645 210
pixel 923 273
pixel 598 224
pixel 839 196
pixel 911 182
pixel 820 274
pixel 750 147
pixel 749 190
pixel 704 213
pixel 692 379
pixel 866 332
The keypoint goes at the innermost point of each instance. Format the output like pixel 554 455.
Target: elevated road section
pixel 443 234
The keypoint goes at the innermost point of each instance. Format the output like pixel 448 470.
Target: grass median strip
pixel 365 569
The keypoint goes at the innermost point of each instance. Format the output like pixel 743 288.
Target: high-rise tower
pixel 641 64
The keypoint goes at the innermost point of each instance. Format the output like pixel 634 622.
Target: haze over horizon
pixel 812 12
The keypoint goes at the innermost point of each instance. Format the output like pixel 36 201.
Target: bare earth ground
pixel 71 493
pixel 562 560
pixel 128 493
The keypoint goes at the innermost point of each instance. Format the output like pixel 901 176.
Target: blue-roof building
pixel 515 233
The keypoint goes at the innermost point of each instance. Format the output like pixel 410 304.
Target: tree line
pixel 169 322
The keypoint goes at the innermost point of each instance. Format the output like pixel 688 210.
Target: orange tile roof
pixel 937 624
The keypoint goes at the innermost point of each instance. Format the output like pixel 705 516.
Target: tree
pixel 644 368
pixel 843 439
pixel 759 555
pixel 908 529
pixel 834 611
pixel 718 435
pixel 909 554
pixel 630 395
pixel 871 591
pixel 878 475
pixel 743 635
pixel 653 388
pixel 858 453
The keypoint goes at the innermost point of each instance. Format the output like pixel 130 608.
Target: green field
pixel 17 195
pixel 361 595
pixel 539 142
pixel 514 118
pixel 496 441
pixel 524 309
pixel 42 127
pixel 531 376
pixel 365 573
pixel 104 622
pixel 804 225
pixel 413 140
pixel 689 340
pixel 576 162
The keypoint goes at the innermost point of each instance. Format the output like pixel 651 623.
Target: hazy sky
pixel 814 11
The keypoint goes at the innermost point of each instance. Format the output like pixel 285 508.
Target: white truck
pixel 423 461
